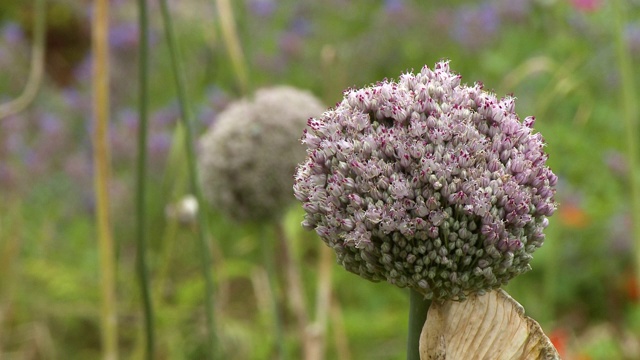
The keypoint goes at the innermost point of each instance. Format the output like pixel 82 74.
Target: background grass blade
pixel 202 227
pixel 230 35
pixel 630 115
pixel 141 251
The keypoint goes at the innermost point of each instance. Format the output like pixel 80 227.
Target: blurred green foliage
pixel 555 56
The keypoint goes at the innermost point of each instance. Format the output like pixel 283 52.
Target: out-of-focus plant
pixel 202 226
pixel 141 183
pixel 630 115
pixel 247 160
pixel 552 52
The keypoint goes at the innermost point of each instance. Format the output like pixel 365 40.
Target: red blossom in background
pixel 586 5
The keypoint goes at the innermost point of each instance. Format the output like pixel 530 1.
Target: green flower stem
pixel 205 251
pixel 323 301
pixel 141 263
pixel 418 308
pixel 102 174
pixel 630 115
pixel 295 292
pixel 267 246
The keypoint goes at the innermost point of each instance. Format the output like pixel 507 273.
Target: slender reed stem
pixel 143 101
pixel 418 308
pixel 102 174
pixel 37 65
pixel 323 302
pixel 630 114
pixel 267 246
pixel 230 35
pixel 202 226
pixel 295 292
pixel 340 337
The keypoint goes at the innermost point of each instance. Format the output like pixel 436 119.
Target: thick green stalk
pixel 143 101
pixel 205 251
pixel 102 174
pixel 418 308
pixel 630 116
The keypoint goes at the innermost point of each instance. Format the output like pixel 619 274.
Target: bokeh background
pixel 558 57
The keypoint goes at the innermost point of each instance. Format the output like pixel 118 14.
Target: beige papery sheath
pixel 484 327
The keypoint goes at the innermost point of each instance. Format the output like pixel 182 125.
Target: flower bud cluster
pixel 248 157
pixel 428 184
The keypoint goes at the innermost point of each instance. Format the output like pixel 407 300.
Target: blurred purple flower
pixel 7 175
pixel 620 231
pixel 632 37
pixel 513 10
pixel 262 8
pixel 166 116
pixel 13 34
pixel 206 115
pixel 12 133
pixel 217 97
pixel 475 26
pixel 50 124
pixel 76 100
pixel 35 162
pixel 79 168
pixel 290 43
pixel 394 6
pixel 83 71
pixel 159 144
pixel 122 135
pixel 129 120
pixel 300 26
pixel 13 124
pixel 616 162
pixel 12 45
pixel 124 36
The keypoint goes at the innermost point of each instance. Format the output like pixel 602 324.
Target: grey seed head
pixel 247 158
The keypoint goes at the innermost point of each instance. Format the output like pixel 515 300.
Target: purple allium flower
pixel 427 183
pixel 249 155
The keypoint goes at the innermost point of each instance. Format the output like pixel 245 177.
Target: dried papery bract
pixel 427 183
pixel 489 326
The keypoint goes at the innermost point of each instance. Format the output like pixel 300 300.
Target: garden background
pixel 562 59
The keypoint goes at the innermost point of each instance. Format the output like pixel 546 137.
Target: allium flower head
pixel 427 183
pixel 248 157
